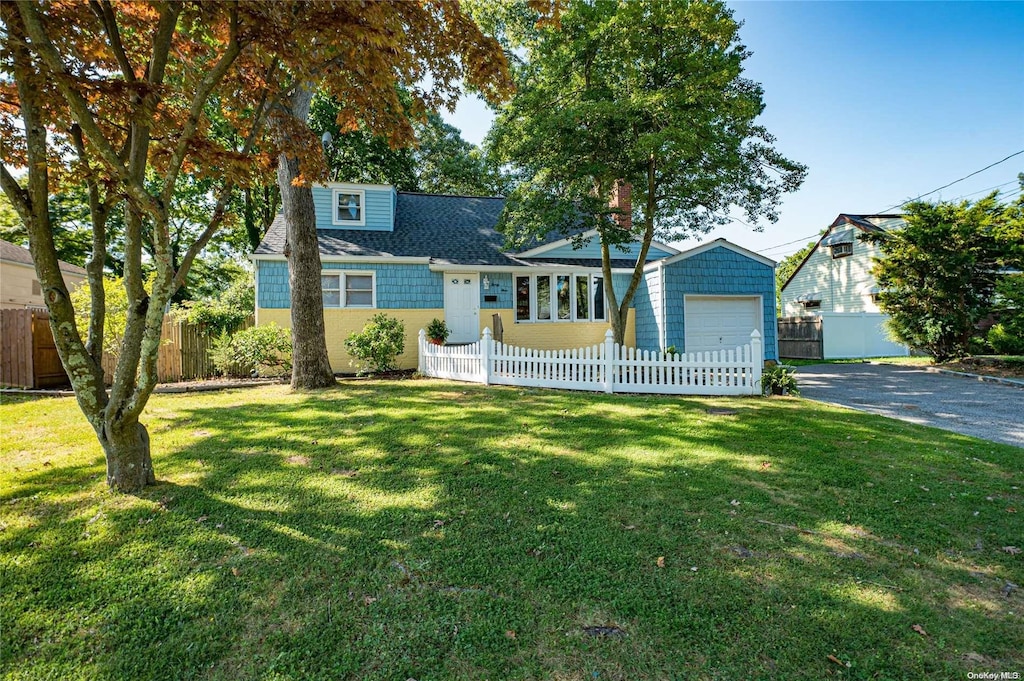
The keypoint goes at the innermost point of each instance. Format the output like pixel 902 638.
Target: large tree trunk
pixel 129 463
pixel 310 365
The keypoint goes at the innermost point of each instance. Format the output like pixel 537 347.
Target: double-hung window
pixel 342 288
pixel 559 297
pixel 348 207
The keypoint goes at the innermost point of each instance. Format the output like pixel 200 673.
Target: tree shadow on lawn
pixel 437 530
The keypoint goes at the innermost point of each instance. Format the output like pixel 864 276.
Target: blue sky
pixel 882 100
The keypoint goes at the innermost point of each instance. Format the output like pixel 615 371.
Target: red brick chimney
pixel 621 200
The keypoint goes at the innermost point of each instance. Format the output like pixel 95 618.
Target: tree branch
pixel 47 52
pixel 105 12
pixel 219 210
pixel 17 194
pixel 213 77
pixel 99 210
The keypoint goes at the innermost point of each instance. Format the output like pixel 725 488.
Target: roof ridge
pixel 454 196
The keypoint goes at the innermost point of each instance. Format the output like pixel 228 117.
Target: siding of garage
pixel 718 271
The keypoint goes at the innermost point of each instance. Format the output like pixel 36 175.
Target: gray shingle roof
pixel 19 254
pixel 450 230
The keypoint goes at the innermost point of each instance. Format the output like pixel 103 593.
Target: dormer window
pixel 348 207
pixel 841 250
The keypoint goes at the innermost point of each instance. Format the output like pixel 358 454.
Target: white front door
pixel 462 306
pixel 720 322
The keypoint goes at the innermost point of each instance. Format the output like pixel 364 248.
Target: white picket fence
pixel 610 367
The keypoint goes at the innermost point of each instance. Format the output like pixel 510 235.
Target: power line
pixel 988 189
pixel 991 165
pixel 962 196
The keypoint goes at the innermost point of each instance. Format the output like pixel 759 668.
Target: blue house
pixel 418 257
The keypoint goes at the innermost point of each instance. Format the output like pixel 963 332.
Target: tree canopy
pixel 130 98
pixel 938 274
pixel 648 93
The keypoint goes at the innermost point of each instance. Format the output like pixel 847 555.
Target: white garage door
pixel 720 322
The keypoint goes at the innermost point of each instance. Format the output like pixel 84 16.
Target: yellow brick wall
pixel 542 336
pixel 338 324
pixel 554 335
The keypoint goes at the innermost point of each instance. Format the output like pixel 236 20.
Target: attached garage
pixel 708 298
pixel 720 322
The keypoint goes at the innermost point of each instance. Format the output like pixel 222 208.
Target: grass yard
pixel 430 530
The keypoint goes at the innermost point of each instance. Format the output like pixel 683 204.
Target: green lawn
pixel 431 530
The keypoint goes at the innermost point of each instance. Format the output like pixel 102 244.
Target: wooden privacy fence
pixel 28 355
pixel 607 367
pixel 801 338
pixel 184 353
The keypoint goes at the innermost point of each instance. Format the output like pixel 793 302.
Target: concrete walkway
pixel 990 411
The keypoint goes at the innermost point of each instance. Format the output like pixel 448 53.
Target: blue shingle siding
pixel 648 311
pixel 718 272
pixel 379 209
pixel 501 286
pixel 399 287
pixel 272 284
pixel 592 249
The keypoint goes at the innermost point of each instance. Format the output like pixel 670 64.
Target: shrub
pixel 1007 337
pixel 779 380
pixel 226 312
pixel 378 346
pixel 116 312
pixel 438 331
pixel 260 350
pixel 1004 342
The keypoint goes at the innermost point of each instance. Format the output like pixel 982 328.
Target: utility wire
pixel 991 165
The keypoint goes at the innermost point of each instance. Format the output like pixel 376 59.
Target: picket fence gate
pixel 607 367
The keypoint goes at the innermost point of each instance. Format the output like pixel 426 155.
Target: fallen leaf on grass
pixel 735 503
pixel 661 561
pixel 629 527
pixel 202 518
pixel 765 465
pixel 919 629
pixel 369 600
pixel 235 571
pixel 1012 550
pixel 833 658
pixel 510 634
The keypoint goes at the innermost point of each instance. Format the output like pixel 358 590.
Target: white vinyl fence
pixel 609 367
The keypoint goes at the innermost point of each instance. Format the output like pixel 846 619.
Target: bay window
pixel 561 297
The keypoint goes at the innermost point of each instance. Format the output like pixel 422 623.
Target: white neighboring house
pixel 834 282
pixel 19 287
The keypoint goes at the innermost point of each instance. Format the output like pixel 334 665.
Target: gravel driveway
pixel 990 411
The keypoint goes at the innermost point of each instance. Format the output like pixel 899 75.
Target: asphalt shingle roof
pixel 450 230
pixel 14 253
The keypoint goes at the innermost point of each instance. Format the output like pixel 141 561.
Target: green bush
pixel 226 312
pixel 378 346
pixel 260 350
pixel 1007 337
pixel 1004 341
pixel 779 380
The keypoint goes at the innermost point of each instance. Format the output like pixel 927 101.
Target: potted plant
pixel 437 331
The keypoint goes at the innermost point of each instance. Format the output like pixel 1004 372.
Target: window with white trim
pixel 348 207
pixel 841 250
pixel 559 297
pixel 342 288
